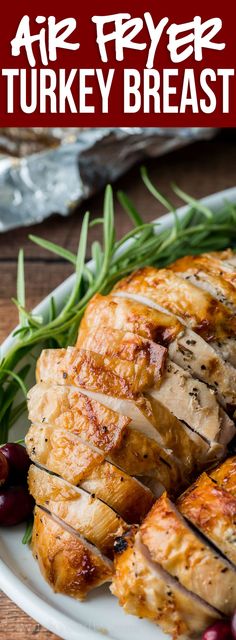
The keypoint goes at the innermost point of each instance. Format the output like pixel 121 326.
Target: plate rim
pixel 31 603
pixel 10 583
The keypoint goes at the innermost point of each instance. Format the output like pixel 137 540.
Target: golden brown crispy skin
pixel 164 426
pixel 137 454
pixel 148 357
pixel 207 316
pixel 64 454
pixel 129 497
pixel 87 515
pixel 94 372
pixel 186 348
pixel 186 556
pixel 67 562
pixel 72 410
pixel 225 475
pixel 208 272
pixel 66 367
pixel 128 315
pixel 221 264
pixel 213 511
pixel 145 590
pixel 99 423
pixel 86 370
pixel 188 399
pixel 225 254
pixel 141 456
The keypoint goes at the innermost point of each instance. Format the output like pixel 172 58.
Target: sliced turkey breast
pixel 68 562
pixel 153 420
pixel 127 496
pixel 84 513
pixel 197 308
pixel 193 449
pixel 156 422
pixel 128 315
pixel 142 457
pixel 229 261
pixel 186 556
pixel 213 511
pixel 194 403
pixel 67 407
pixel 107 380
pixel 202 271
pixel 149 358
pixel 186 348
pixel 188 399
pixel 95 423
pixel 65 454
pixel 223 263
pixel 144 589
pixel 59 406
pixel 225 475
pixel 197 356
pixel 138 456
pixel 78 367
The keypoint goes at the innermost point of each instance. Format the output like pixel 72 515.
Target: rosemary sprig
pixel 145 244
pixel 28 532
pixel 20 287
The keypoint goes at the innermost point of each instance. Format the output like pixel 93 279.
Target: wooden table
pixel 199 169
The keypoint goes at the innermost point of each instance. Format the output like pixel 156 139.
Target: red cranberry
pixel 16 505
pixel 18 461
pixel 4 469
pixel 219 631
pixel 233 626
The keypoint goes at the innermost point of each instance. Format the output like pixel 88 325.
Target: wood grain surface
pixel 199 169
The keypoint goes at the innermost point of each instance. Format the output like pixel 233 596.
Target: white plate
pixel 20 578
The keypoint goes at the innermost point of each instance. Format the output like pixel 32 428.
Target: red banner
pixel 118 63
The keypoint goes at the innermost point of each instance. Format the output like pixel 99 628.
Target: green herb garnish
pixel 198 231
pixel 28 532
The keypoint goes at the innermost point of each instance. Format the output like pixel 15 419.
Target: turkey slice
pixel 65 454
pixel 156 425
pixel 67 407
pixel 186 398
pixel 128 315
pixel 144 589
pixel 204 272
pixel 147 357
pixel 84 513
pixel 186 556
pixel 68 562
pixel 223 263
pixel 225 475
pixel 197 308
pixel 194 403
pixel 186 348
pixel 127 376
pixel 138 456
pixel 213 511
